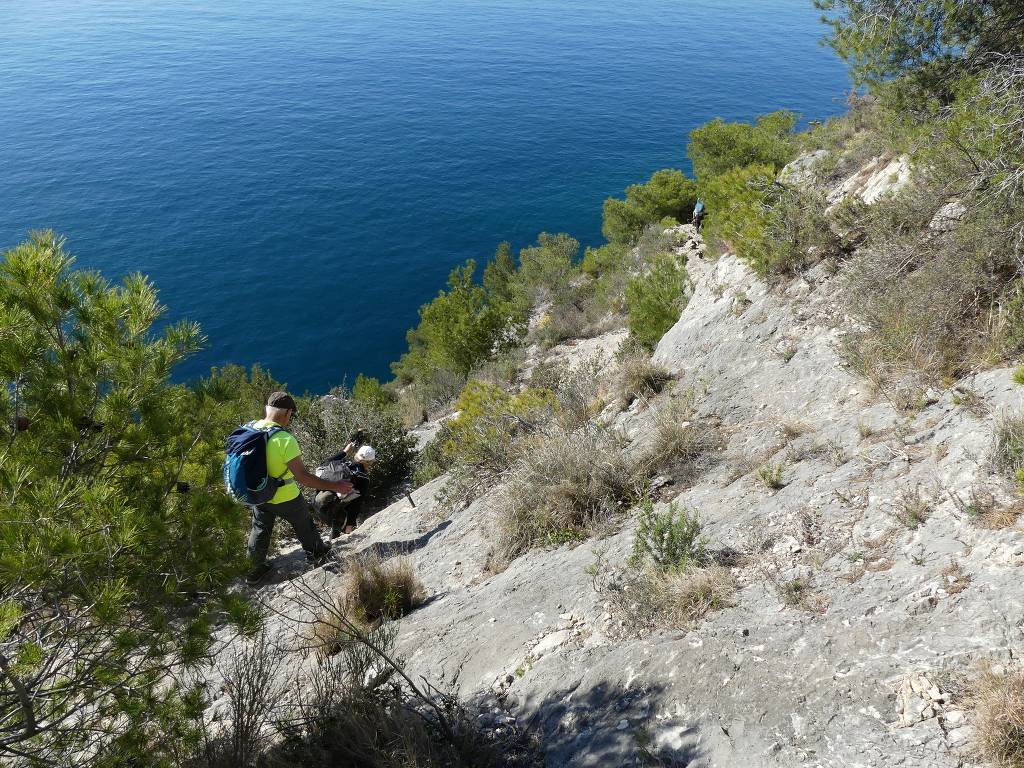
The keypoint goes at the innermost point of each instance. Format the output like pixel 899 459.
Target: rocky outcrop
pixel 881 177
pixel 866 584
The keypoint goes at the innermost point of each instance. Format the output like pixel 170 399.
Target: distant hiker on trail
pixel 355 462
pixel 284 468
pixel 698 214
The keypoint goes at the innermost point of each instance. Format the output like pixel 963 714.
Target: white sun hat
pixel 366 453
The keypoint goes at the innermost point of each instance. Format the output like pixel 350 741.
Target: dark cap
pixel 281 400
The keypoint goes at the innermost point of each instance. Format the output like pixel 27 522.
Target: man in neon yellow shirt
pixel 284 461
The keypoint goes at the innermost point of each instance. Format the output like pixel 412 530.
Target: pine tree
pixel 116 541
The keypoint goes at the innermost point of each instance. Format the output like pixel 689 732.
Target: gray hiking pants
pixel 298 514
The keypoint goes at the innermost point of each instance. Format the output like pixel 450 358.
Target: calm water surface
pixel 300 177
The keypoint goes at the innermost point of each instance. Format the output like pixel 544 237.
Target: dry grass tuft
pixel 561 486
pixel 1008 442
pixel 683 446
pixel 985 511
pixel 639 377
pixel 912 508
pixel 954 579
pixel 997 701
pixel 693 594
pixel 646 599
pixel 376 590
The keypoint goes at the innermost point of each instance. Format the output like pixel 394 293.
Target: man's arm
pixel 308 479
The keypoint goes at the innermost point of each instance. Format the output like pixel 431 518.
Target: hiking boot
pixel 335 531
pixel 258 572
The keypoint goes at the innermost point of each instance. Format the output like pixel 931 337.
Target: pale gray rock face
pixel 800 172
pixel 881 177
pixel 857 675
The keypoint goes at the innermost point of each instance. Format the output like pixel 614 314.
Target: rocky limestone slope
pixel 866 586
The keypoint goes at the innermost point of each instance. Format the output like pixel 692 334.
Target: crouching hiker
pixel 342 511
pixel 271 487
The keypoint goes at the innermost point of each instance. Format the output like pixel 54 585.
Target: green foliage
pixel 108 566
pixel 772 476
pixel 456 330
pixel 607 258
pixel 656 299
pixel 931 42
pixel 670 539
pixel 718 147
pixel 370 391
pixel 771 226
pixel 328 423
pixel 668 193
pixel 481 435
pixel 500 279
pixel 550 263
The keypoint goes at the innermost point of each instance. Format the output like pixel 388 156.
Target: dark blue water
pixel 300 177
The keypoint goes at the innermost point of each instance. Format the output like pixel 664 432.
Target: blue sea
pixel 300 176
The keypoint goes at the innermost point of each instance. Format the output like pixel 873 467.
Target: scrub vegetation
pixel 119 551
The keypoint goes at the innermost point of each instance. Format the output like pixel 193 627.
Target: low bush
pixel 356 706
pixel 668 193
pixel 637 376
pixel 563 485
pixel 718 147
pixel 371 392
pixel 481 436
pixel 253 692
pixel 671 539
pixel 997 703
pixel 576 388
pixel 776 229
pixel 548 266
pixel 772 476
pixel 330 422
pixel 656 299
pixel 377 590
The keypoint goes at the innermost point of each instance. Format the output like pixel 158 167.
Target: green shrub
pixel 774 228
pixel 489 418
pixel 670 539
pixel 718 147
pixel 562 485
pixel 328 423
pixel 772 476
pixel 929 44
pixel 369 391
pixel 458 329
pixel 549 264
pixel 112 570
pixel 655 300
pixel 610 257
pixel 668 193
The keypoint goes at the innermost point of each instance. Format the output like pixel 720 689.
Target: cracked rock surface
pixel 894 605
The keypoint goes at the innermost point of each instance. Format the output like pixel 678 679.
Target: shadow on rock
pixel 386 549
pixel 610 725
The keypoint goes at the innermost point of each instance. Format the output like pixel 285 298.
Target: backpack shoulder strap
pixel 271 431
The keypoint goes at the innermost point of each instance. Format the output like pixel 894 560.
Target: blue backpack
pixel 245 465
